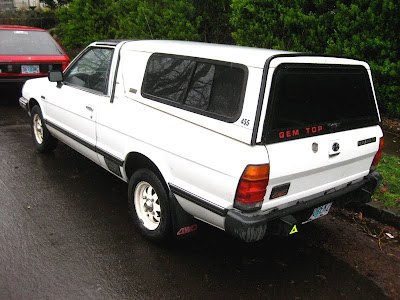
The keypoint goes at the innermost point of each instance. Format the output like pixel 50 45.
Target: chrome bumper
pixel 24 103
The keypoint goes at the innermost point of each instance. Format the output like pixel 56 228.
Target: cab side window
pixel 92 70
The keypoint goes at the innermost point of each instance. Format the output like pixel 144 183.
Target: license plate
pixel 319 212
pixel 30 69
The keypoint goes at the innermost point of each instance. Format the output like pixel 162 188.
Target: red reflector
pixel 252 187
pixel 280 191
pixel 378 154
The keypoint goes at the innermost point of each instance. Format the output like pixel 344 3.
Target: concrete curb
pixel 389 216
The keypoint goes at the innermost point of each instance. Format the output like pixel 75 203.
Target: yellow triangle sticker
pixel 294 230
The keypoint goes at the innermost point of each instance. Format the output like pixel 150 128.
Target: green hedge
pixel 364 29
pixel 85 21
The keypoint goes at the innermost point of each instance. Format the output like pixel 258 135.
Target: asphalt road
pixel 65 233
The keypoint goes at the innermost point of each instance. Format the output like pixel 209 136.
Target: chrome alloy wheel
pixel 38 128
pixel 147 205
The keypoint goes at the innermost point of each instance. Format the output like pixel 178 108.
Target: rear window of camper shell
pixel 314 99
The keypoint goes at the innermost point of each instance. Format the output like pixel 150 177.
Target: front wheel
pixel 43 140
pixel 149 206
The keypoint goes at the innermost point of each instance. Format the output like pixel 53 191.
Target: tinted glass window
pixel 339 96
pixel 209 87
pixel 91 70
pixel 228 90
pixel 28 42
pixel 168 78
pixel 200 86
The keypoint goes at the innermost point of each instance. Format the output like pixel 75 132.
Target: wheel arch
pixel 31 104
pixel 135 161
pixel 182 223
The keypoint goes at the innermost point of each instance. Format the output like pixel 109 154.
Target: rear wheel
pixel 43 140
pixel 149 206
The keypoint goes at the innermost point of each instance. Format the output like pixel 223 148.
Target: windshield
pixel 317 99
pixel 28 42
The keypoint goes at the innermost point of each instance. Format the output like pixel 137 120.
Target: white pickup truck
pixel 251 141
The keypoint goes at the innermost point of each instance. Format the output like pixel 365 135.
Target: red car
pixel 27 52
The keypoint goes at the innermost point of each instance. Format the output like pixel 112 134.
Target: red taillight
pixel 252 187
pixel 378 154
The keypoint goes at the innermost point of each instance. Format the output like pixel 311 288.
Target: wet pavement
pixel 65 233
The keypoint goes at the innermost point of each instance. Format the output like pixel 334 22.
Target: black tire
pixel 152 216
pixel 43 140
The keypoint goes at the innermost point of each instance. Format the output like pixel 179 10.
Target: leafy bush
pixel 295 25
pixel 214 15
pixel 165 19
pixel 365 30
pixel 361 29
pixel 85 21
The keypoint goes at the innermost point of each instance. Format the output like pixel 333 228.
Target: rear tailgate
pixel 321 127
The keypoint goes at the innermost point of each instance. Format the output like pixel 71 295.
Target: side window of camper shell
pixel 208 87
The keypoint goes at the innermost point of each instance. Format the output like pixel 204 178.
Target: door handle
pixel 89 107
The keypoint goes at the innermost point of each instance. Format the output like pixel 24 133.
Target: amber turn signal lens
pixel 256 173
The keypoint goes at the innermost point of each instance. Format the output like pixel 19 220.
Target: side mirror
pixel 55 76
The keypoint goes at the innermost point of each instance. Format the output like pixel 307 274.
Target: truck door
pixel 71 106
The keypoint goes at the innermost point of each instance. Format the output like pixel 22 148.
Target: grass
pixel 389 192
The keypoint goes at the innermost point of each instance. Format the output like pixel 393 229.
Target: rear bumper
pixel 253 226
